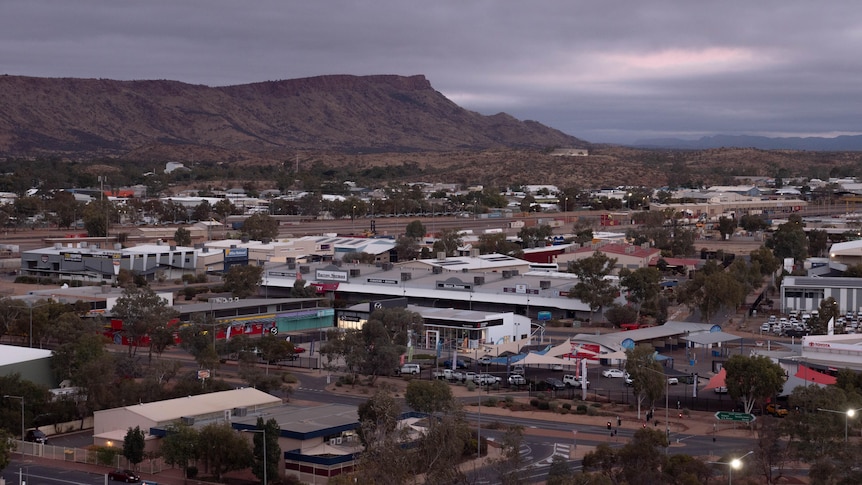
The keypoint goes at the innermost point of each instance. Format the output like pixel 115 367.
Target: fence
pixel 710 402
pixel 111 459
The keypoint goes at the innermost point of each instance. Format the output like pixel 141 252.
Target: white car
pixel 485 360
pixel 613 373
pixel 517 380
pixel 764 327
pixel 672 381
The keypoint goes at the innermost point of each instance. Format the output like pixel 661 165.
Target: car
pixel 485 360
pixel 612 373
pixel 411 369
pixel 517 380
pixel 571 380
pixel 518 369
pixel 36 436
pixel 557 367
pixel 468 376
pixel 554 383
pixel 721 390
pixel 486 379
pixel 127 476
pixel 628 379
pixel 459 364
pixel 764 327
pixel 672 381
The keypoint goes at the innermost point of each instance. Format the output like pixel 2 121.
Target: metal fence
pixel 89 456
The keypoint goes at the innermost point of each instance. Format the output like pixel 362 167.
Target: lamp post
pixel 734 464
pixel 7 396
pixel 847 415
pixel 263 431
pixel 353 220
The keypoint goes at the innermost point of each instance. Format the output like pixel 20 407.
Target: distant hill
pixel 837 144
pixel 339 113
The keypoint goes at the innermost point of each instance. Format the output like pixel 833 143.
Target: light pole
pixel 353 220
pixel 263 431
pixel 847 415
pixel 7 396
pixel 734 464
pixel 666 402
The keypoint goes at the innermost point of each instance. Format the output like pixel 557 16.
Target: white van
pixel 411 369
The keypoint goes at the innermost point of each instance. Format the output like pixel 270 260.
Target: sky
pixel 604 71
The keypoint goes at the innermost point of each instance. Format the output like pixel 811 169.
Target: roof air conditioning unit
pixel 354 272
pixel 188 420
pixel 331 441
pixel 304 269
pixel 544 284
pixel 436 270
pixel 465 270
pixel 406 276
pixel 475 253
pixel 514 272
pixel 291 265
pixel 172 247
pixel 478 280
pixel 441 255
pixel 386 266
pixel 291 260
pixel 338 440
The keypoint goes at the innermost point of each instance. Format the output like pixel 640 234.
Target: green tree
pixel 497 243
pixel 534 237
pixel 7 446
pixel 301 289
pixel 133 445
pixel 383 460
pixel 222 449
pixel 818 242
pixel 648 379
pixel 559 472
pixel 243 280
pixel 711 289
pixel 766 260
pixel 429 397
pixel 271 432
pixel 97 216
pixel 202 211
pixel 618 314
pixel 406 248
pixel 183 237
pixel 181 446
pixel 642 285
pixel 508 466
pixel 726 226
pixel 260 226
pixel 593 288
pixel 790 240
pixel 141 311
pixel 224 208
pixel 448 241
pixel 753 379
pixel 415 230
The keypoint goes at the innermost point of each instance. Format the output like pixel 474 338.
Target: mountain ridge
pixel 351 114
pixel 812 143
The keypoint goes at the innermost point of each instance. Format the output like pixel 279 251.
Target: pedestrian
pixel 619 421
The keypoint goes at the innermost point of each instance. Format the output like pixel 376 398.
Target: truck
pixel 571 380
pixel 776 410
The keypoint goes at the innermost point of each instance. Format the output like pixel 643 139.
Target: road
pixel 25 472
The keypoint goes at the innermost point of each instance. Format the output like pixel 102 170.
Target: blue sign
pixel 543 316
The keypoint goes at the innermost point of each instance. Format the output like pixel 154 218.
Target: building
pixel 33 365
pixel 627 255
pixel 806 293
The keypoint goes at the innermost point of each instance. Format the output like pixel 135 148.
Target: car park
pixel 613 373
pixel 127 476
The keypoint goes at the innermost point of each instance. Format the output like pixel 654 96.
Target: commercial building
pixel 33 365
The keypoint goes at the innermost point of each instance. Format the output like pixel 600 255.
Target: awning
pixel 718 380
pixel 710 338
pixel 812 375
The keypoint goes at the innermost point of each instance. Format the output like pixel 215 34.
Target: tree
pixel 96 216
pixel 753 379
pixel 619 314
pixel 509 464
pixel 642 285
pixel 223 449
pixel 260 226
pixel 243 280
pixel 532 237
pixel 790 240
pixel 383 459
pixel 726 226
pixel 559 471
pixel 818 242
pixel 415 230
pixel 497 243
pixel 180 446
pixel 648 379
pixel 223 208
pixel 448 241
pixel 429 397
pixel 406 248
pixel 183 237
pixel 766 260
pixel 593 288
pixel 142 311
pixel 711 289
pixel 271 432
pixel 301 289
pixel 133 445
pixel 7 446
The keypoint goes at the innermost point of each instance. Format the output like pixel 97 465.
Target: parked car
pixel 672 381
pixel 517 380
pixel 628 379
pixel 764 327
pixel 485 360
pixel 721 390
pixel 127 476
pixel 574 381
pixel 613 373
pixel 557 367
pixel 459 364
pixel 554 383
pixel 518 369
pixel 411 369
pixel 36 436
pixel 486 379
pixel 468 376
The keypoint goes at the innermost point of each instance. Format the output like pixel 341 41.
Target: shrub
pixel 191 472
pixel 105 455
pixel 490 402
pixel 581 409
pixel 188 278
pixel 592 411
pixel 471 386
pixel 567 406
pixel 544 405
pixel 534 402
pixel 509 400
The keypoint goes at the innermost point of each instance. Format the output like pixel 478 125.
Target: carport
pixel 707 341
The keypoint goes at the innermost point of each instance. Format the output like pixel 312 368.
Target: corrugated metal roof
pixel 173 409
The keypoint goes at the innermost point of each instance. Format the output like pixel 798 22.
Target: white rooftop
pixel 12 354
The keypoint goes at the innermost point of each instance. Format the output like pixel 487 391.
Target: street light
pixel 7 396
pixel 734 464
pixel 847 415
pixel 264 448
